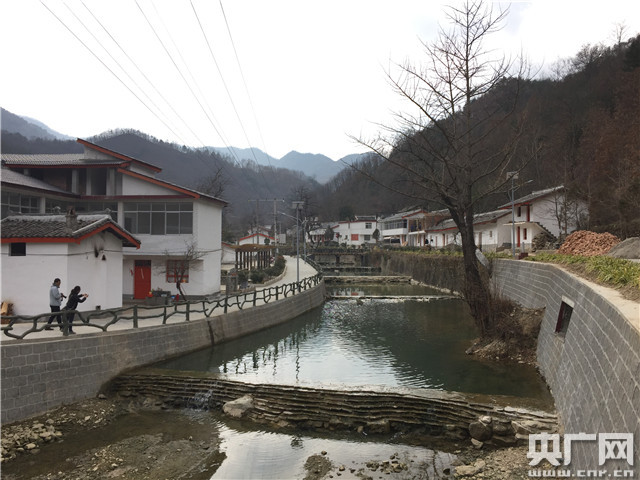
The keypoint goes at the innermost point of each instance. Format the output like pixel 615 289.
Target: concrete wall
pixel 39 375
pixel 593 370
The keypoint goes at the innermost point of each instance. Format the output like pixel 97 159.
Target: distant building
pixel 356 232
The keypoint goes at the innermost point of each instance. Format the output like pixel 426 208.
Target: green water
pixel 391 342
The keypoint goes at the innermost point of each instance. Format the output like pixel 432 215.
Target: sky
pixel 278 75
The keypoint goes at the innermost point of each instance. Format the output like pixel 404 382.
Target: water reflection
pixel 371 341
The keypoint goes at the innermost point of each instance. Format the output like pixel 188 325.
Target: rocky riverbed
pixel 94 439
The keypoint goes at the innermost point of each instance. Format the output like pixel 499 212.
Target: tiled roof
pixel 9 177
pixel 55 227
pixel 50 159
pixel 532 196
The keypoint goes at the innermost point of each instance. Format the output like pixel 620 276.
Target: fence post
pixel 276 292
pixel 135 316
pixel 255 293
pixel 164 314
pixel 187 317
pixel 226 303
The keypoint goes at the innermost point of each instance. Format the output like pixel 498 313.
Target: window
pixel 490 233
pixel 17 203
pixel 367 226
pixel 519 211
pixel 83 207
pixel 17 249
pixel 367 238
pixel 177 270
pixel 524 233
pixel 564 316
pixel 158 218
pixel 354 237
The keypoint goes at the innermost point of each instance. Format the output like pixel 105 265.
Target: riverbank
pixel 189 447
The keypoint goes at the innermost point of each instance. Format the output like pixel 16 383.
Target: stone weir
pixel 366 280
pixel 370 409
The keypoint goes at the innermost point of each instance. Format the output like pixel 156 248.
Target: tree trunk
pixel 476 287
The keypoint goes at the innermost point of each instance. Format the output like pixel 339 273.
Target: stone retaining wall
pixel 370 409
pixel 42 374
pixel 593 368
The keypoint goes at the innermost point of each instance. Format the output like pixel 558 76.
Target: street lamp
pixel 297 205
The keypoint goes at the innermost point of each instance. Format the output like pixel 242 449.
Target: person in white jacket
pixel 55 301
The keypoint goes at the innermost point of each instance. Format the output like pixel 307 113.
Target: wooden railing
pixel 103 319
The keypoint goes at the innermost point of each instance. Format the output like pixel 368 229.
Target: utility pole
pixel 275 214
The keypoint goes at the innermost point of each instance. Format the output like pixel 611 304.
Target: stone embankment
pixel 365 409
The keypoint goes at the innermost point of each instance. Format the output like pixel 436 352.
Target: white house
pixel 395 228
pixel 355 232
pixel 176 226
pixel 257 238
pixel 543 210
pixel 84 250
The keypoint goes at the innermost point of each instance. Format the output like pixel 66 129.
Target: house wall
pixel 204 274
pixel 543 211
pixel 26 280
pixel 346 229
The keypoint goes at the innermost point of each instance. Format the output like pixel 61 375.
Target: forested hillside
pixel 585 124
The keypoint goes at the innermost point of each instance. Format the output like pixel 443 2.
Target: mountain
pixel 29 127
pixel 314 165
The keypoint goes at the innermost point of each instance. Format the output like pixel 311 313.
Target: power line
pixel 208 43
pixel 143 75
pixel 244 82
pixel 118 63
pixel 107 67
pixel 222 137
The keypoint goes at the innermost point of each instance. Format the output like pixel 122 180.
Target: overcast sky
pixel 314 72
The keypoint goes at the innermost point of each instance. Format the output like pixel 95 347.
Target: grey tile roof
pixel 533 196
pixel 9 177
pixel 47 159
pixel 55 226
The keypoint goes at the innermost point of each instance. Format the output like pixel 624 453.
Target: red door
pixel 142 279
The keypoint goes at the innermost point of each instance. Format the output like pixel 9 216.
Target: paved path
pixel 290 276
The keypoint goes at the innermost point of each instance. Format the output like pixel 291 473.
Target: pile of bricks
pixel 588 243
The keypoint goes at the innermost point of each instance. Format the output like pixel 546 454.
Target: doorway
pixel 142 279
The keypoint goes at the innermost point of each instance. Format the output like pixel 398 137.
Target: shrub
pixel 617 272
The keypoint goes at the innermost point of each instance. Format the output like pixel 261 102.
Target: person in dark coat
pixel 72 303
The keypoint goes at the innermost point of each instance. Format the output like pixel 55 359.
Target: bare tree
pixel 178 266
pixel 215 183
pixel 465 132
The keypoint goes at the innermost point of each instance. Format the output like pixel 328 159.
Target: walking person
pixel 74 299
pixel 55 301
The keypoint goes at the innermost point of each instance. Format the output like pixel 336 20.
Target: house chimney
pixel 72 219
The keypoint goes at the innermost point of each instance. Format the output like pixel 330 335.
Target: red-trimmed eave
pixel 67 165
pixel 254 234
pixel 98 148
pixel 159 182
pixel 528 202
pixel 76 240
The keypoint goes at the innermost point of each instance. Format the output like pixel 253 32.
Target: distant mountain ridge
pixel 314 165
pixel 29 127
